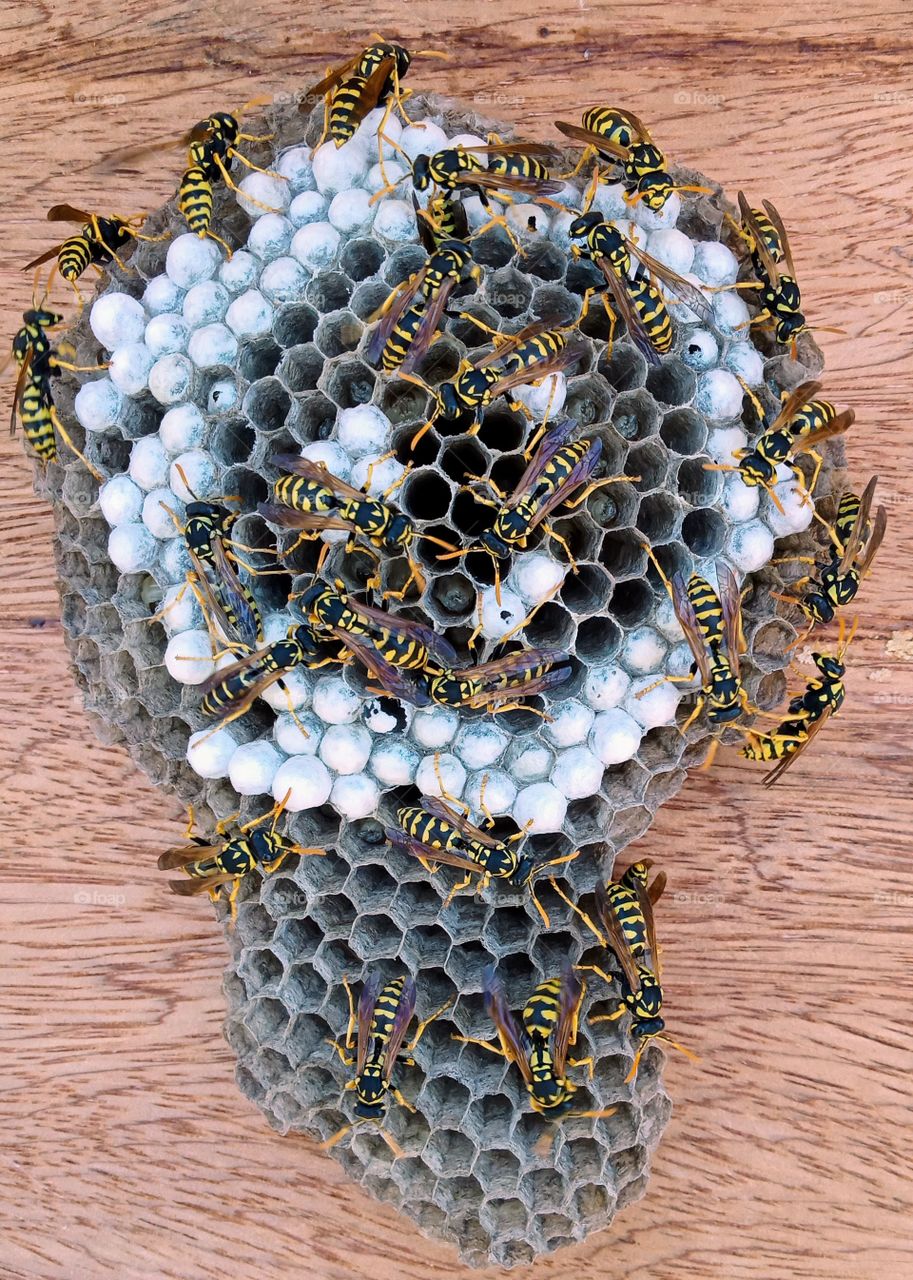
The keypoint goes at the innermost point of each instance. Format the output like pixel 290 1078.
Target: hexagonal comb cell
pixel 477 1169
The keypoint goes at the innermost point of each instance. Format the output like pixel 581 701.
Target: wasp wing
pixel 435 644
pixel 514 1040
pixel 803 394
pixel 388 322
pixel 731 603
pixel 785 762
pixel 191 888
pixel 579 474
pixel 513 664
pixel 21 380
pixel 536 372
pixel 687 618
pixel 293 464
pixel 645 900
pixel 329 81
pixel 524 689
pixel 781 232
pixel 557 435
pixel 596 140
pixel 628 312
pixel 366 1003
pixel 615 935
pixel 516 148
pixel 680 289
pixel 570 994
pixel 68 213
pixel 428 326
pixel 875 539
pixel 372 90
pixel 643 133
pixel 249 629
pixel 750 222
pixel 183 855
pixel 860 528
pixel 505 344
pixel 509 182
pixel 392 679
pixel 42 258
pixel 401 1019
pixel 439 809
pixel 427 852
pixel 290 518
pixel 836 427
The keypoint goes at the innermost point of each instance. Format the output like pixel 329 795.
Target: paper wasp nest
pixel 219 364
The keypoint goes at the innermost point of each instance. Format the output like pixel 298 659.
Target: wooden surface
pixel 125 1149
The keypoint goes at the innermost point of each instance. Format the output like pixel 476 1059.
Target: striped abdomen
pixel 36 414
pixel 611 124
pixel 706 605
pixel 73 257
pixel 540 1016
pixel 535 350
pixel 624 903
pixel 195 200
pixel 515 165
pixel 400 340
pixel 653 313
pixel 304 494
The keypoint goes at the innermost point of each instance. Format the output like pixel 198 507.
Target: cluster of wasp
pixel 409 660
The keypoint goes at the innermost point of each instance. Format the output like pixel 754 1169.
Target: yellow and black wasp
pixel 559 468
pixel 385 1010
pixel 372 78
pixel 232 691
pixel 211 866
pixel 443 218
pixel 835 581
pixel 496 686
pixel 636 299
pixel 803 422
pixel 778 289
pixel 438 830
pixel 409 320
pixel 396 651
pixel 533 354
pixel 97 242
pixel 310 498
pixel 809 711
pixel 624 909
pixel 619 136
pixel 712 624
pixel 539 1042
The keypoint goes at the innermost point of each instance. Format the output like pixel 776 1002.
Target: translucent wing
pixel 183 855
pixel 429 324
pixel 579 474
pixel 239 706
pixel 731 602
pixel 68 213
pixel 388 322
pixel 394 680
pixel 688 622
pixel 290 518
pixel 536 372
pixel 771 270
pixel 646 898
pixel 506 344
pixel 514 1040
pixel 615 934
pixel 570 993
pixel 292 464
pixel 516 148
pixel 329 81
pixel 777 772
pixel 835 427
pixel 557 435
pixel 509 182
pixel 860 527
pixel 643 133
pixel 514 664
pixel 805 392
pixel 21 380
pixel 191 888
pixel 522 689
pixel 682 290
pixel 439 809
pixel 401 1020
pixel 418 849
pixel 42 258
pixel 371 90
pixel 876 537
pixel 368 999
pixel 628 312
pixel 435 644
pixel 781 232
pixel 590 139
pixel 248 628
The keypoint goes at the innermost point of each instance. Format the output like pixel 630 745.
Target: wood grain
pixel 126 1149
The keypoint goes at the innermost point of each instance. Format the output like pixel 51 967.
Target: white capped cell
pixel 739 501
pixel 120 500
pixel 275 626
pixel 439 773
pixel 116 319
pixel 309 206
pixel 98 404
pixel 609 200
pixel 643 650
pixel 253 766
pixel 209 752
pixel 605 687
pixel 679 663
pixel 299 734
pixel 171 378
pixel 263 194
pixel 315 244
pixel 188 656
pixel 362 430
pixel 129 368
pixel 394 762
pixel 500 617
pixel 296 694
pixel 166 333
pixel 355 795
pixel 577 773
pixel 223 395
pixel 283 280
pixel 548 397
pixel 131 548
pixel 480 743
pixel 148 463
pixel 334 702
pixel 182 427
pixel 345 748
pixel 725 443
pixel 367 132
pixel 750 546
pixel 304 781
pixel 559 231
pixel 530 760
pixel 746 362
pixel 330 455
pixel 395 220
pixel 714 263
pixel 615 736
pixel 680 310
pixel 193 474
pixel 540 807
pixel 518 218
pixel 655 220
pixel 192 258
pixel 249 315
pixel 239 272
pixel 535 576
pixel 295 165
pixel 180 610
pixel 798 509
pixel 162 294
pixel 655 708
pixel 376 477
pixel 665 619
pixel 339 168
pixel 495 787
pixel 212 346
pixel 433 727
pixel 157 520
pixel 730 313
pixel 270 236
pixel 672 248
pixel 385 714
pixel 477 214
pixel 719 394
pixel 351 211
pixel 174 559
pixel 205 303
pixel 395 175
pixel 422 138
pixel 700 350
pixel 570 723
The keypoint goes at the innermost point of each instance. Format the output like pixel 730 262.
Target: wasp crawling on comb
pixel 96 243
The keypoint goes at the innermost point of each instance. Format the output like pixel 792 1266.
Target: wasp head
pixel 817 607
pixel 399 532
pixel 550 1096
pixel 790 326
pixel 371 1099
pixel 756 470
pixel 829 666
pixel 495 544
pixel 266 845
pixel 647 1028
pixel 584 224
pixel 526 867
pixel 421 172
pixel 655 189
